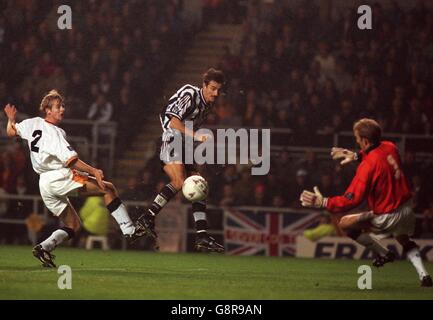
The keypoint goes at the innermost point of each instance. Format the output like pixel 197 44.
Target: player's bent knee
pixel 110 189
pixel 71 231
pixel 349 221
pixel 177 183
pixel 344 223
pixel 110 186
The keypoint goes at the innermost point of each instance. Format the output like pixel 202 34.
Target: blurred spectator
pixel 228 198
pixel 300 184
pixel 326 60
pixel 427 222
pixel 309 163
pixel 95 216
pixel 46 65
pixel 416 121
pixel 131 192
pixel 3 203
pixel 229 176
pixel 243 188
pixel 410 167
pixel 419 193
pixel 8 172
pixel 325 228
pixel 101 110
pixel 278 201
pixel 326 185
pixel 301 133
pixel 20 209
pixel 226 114
pixel 145 186
pixel 259 196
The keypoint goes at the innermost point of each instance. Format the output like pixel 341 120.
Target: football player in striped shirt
pixel 62 173
pixel 189 103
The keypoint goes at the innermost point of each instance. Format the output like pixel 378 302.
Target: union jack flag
pixel 248 232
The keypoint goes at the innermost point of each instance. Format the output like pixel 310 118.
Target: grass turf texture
pixel 143 275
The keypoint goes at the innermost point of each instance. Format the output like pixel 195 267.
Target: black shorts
pixel 166 153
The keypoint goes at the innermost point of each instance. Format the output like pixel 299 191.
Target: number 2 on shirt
pixel 37 134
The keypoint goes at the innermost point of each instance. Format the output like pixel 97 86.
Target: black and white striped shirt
pixel 187 104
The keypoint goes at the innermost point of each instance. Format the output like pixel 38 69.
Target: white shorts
pixel 400 222
pixel 56 185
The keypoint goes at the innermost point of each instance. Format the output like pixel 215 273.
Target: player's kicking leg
pixel 71 223
pixel 356 226
pixel 177 173
pixel 410 249
pixel 115 206
pixel 204 242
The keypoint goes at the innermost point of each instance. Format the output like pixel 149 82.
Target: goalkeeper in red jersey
pixel 379 179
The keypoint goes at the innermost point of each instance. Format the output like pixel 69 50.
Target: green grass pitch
pixel 144 275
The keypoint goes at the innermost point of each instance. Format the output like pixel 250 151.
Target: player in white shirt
pixel 62 173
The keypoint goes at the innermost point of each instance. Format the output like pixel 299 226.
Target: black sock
pixel 69 231
pixel 409 246
pixel 113 205
pixel 163 197
pixel 199 212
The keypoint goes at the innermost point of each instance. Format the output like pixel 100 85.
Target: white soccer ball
pixel 195 188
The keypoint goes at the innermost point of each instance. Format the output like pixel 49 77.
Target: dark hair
pixel 369 129
pixel 47 101
pixel 214 75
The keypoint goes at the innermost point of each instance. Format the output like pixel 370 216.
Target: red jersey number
pixel 394 165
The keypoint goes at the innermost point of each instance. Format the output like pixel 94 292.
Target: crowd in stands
pixel 288 68
pixel 109 66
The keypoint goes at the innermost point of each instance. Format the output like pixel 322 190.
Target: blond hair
pixel 368 128
pixel 49 98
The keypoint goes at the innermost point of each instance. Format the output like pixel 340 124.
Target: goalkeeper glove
pixel 313 199
pixel 347 155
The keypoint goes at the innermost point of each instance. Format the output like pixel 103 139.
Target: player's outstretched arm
pixel 84 167
pixel 11 113
pixel 346 155
pixel 175 123
pixel 313 199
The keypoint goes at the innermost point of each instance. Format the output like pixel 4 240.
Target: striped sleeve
pixel 180 105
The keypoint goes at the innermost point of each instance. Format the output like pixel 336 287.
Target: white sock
pixel 56 238
pixel 367 241
pixel 123 219
pixel 415 257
